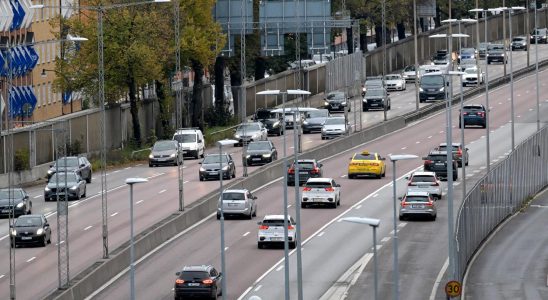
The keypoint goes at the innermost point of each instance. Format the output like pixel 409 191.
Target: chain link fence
pixel 503 191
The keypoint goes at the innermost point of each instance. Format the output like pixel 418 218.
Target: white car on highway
pixel 394 82
pixel 271 231
pixel 323 191
pixel 425 182
pixel 470 76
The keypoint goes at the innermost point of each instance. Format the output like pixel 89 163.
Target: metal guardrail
pixel 499 194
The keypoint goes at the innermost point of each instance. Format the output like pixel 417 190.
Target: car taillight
pixel 307 189
pixel 411 183
pixel 437 183
pixel 179 281
pixel 430 203
pixel 427 162
pixel 315 171
pixel 207 281
pixel 459 152
pixel 481 114
pixel 464 113
pixel 291 171
pixel 403 203
pixel 329 189
pixel 263 227
pixel 290 227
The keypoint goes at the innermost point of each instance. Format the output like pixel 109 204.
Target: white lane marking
pixel 245 234
pixel 127 168
pixel 402 224
pixel 226 248
pixel 138 165
pixel 258 288
pixel 339 220
pixel 469 175
pixel 495 160
pixel 385 239
pixel 359 206
pixel 343 176
pixel 530 109
pixel 456 183
pixel 114 214
pixel 375 196
pixel 518 116
pixel 476 171
pixel 438 280
pixel 288 207
pixel 378 247
pixel 482 167
pixel 140 201
pixel 162 191
pixel 36 197
pixel 291 147
pixel 417 142
pixel 186 181
pixel 403 148
pixel 116 171
pixel 59 243
pixel 87 228
pixel 441 131
pixel 500 103
pixel 430 137
pixel 321 233
pixel 2 276
pixel 279 268
pixel 308 142
pixel 31 259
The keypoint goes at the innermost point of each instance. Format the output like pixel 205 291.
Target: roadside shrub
pixel 21 160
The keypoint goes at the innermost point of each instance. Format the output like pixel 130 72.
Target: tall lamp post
pixel 394 158
pixel 101 78
pixel 131 182
pixel 374 223
pixel 297 207
pixel 536 69
pixel 222 143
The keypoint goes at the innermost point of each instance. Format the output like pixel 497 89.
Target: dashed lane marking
pixel 87 228
pixel 279 268
pixel 31 259
pixel 321 233
pixel 162 191
pixel 359 206
pixel 140 201
pixel 258 287
pixel 385 239
pixel 36 197
pixel 114 214
pixel 245 234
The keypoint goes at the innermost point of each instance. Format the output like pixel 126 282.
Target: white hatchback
pixel 321 191
pixel 425 182
pixel 271 231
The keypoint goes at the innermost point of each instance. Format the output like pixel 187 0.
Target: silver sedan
pixel 418 204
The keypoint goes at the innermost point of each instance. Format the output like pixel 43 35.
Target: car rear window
pixel 437 157
pixel 305 165
pixel 318 184
pixel 423 178
pixel 416 199
pixel 233 196
pixel 193 275
pixel 444 148
pixel 472 108
pixel 273 222
pixel 360 156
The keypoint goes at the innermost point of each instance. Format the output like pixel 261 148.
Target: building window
pixel 48 93
pixel 37 94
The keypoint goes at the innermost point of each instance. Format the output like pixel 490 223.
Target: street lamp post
pixel 394 159
pixel 374 223
pixel 536 70
pixel 131 182
pixel 222 143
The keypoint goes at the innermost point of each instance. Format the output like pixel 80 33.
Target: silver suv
pixel 425 182
pixel 418 204
pixel 271 231
pixel 237 202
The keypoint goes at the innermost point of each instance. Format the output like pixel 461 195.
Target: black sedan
pixel 14 201
pixel 65 184
pixel 210 167
pixel 78 164
pixel 164 152
pixel 314 120
pixel 30 230
pixel 336 101
pixel 260 152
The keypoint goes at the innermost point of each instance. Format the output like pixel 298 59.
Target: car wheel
pixel 85 190
pixel 49 238
pixel 434 217
pixel 218 216
pixel 44 242
pixel 150 165
pixel 259 245
pixel 201 178
pixel 339 201
pixel 250 215
pixel 401 218
pixel 334 204
pixel 292 245
pixel 234 174
pixel 255 212
pixel 88 180
pixel 197 155
pixel 304 205
pixel 455 178
pixel 384 173
pixel 466 163
pixel 484 126
pixel 379 176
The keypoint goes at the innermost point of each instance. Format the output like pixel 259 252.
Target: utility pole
pixel 178 90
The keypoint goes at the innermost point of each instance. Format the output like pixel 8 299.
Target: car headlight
pixel 267 155
pixel 237 136
pixel 173 155
pixel 202 169
pixel 343 103
pixel 421 89
pixel 442 89
pixel 323 130
pixel 74 188
pixel 39 231
pixel 305 122
pixel 276 124
pixel 225 168
pixel 151 156
pixel 20 204
pixel 364 100
pixel 325 103
pixel 13 232
pixel 248 156
pixel 47 189
pixel 50 172
pixel 405 76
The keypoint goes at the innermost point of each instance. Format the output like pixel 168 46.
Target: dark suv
pixel 473 114
pixel 432 87
pixel 458 152
pixel 376 98
pixel 336 101
pixel 540 34
pixel 436 162
pixel 273 121
pixel 308 168
pixel 496 53
pixel 198 281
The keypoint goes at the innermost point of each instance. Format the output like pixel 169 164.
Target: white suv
pixel 191 141
pixel 321 191
pixel 271 231
pixel 425 182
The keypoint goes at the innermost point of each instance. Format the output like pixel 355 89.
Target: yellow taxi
pixel 366 164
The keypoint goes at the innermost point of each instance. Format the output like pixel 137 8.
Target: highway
pixel 522 246
pixel 157 200
pixel 259 272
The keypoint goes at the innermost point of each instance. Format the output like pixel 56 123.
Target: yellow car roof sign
pixel 365 152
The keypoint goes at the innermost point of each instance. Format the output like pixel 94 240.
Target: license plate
pixel 422 186
pixel 276 239
pixel 255 159
pixel 303 173
pixel 439 164
pixel 417 206
pixel 431 98
pixel 213 173
pixel 185 152
pixel 26 237
pixel 194 284
pixel 232 204
pixel 318 199
pixel 5 210
pixel 374 104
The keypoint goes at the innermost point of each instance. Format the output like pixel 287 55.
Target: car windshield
pixel 274 222
pixel 212 159
pixel 193 275
pixel 233 196
pixel 471 71
pixel 68 162
pixel 441 62
pixel 409 68
pixel 375 92
pixel 334 121
pixel 316 184
pixel 265 114
pixel 5 194
pixel 392 77
pixel 249 127
pixel 467 51
pixel 433 80
pixel 316 113
pixel 482 46
pixel 444 148
pixel 423 178
pixel 163 146
pixel 363 156
pixel 518 39
pixel 333 96
pixel 60 177
pixel 185 138
pixel 258 146
pixel 538 32
pixel 416 199
pixel 28 222
pixel 496 47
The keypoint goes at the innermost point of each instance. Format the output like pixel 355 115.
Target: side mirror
pixel 46 224
pixel 200 163
pixel 383 158
pixel 400 198
pixel 233 130
pixel 407 177
pixel 320 165
pixel 254 197
pixel 82 165
pixel 11 226
pixel 200 141
pixel 177 273
pixel 51 166
pixel 220 274
pixel 259 223
pixel 424 158
pixel 466 149
pixel 337 185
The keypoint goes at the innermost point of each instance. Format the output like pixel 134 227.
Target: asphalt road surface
pixel 157 199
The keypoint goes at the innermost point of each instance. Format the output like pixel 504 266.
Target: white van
pixel 191 141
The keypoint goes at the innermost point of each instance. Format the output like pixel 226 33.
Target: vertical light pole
pixel 131 182
pixel 222 143
pixel 178 117
pixel 536 69
pixel 374 223
pixel 394 158
pixel 416 55
pixel 384 52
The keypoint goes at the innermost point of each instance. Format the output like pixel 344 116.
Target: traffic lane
pixel 517 244
pixel 419 129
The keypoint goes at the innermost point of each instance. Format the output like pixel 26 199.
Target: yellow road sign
pixel 453 289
